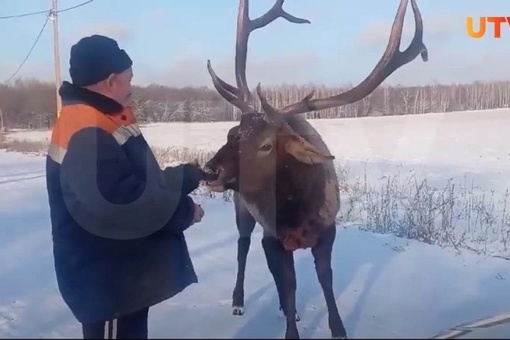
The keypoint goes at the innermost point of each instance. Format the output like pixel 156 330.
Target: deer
pixel 281 171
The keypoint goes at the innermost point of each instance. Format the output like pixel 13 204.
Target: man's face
pixel 118 86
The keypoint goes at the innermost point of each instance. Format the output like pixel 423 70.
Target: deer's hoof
pixel 291 334
pixel 298 318
pixel 238 310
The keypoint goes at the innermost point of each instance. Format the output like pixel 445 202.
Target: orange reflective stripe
pixel 76 117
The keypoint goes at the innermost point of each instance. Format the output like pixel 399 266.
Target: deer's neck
pixel 298 194
pixel 261 206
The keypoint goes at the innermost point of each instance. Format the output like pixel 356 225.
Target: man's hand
pixel 190 173
pixel 199 213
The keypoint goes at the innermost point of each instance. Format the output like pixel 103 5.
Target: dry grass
pixel 454 216
pixel 23 146
pixel 176 154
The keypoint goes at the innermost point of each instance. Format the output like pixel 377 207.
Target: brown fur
pixel 281 192
pixel 282 171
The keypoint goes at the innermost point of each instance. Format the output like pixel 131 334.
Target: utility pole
pixel 2 127
pixel 56 52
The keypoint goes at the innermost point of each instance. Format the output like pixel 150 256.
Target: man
pixel 117 218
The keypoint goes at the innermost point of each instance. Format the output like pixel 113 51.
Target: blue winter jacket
pixel 117 225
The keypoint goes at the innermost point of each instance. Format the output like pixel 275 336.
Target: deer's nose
pixel 211 170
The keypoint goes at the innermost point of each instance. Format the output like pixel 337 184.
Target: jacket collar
pixel 72 94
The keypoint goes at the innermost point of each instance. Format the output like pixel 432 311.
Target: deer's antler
pixel 391 60
pixel 240 96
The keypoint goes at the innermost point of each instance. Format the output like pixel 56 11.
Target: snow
pixel 468 142
pixel 385 286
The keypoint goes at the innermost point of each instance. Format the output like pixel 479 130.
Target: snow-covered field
pixel 463 156
pixel 386 286
pixel 443 145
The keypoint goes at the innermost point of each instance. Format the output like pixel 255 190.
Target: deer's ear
pixel 303 150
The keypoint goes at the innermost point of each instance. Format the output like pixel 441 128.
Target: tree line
pixel 31 103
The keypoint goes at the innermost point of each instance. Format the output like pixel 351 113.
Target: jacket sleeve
pixel 191 176
pixel 112 197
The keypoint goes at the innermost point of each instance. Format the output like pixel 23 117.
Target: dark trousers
pixel 130 326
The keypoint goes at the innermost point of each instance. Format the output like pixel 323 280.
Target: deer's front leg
pixel 322 256
pixel 289 289
pixel 245 226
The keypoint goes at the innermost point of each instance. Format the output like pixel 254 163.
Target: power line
pixel 23 15
pixel 70 8
pixel 45 11
pixel 50 13
pixel 31 49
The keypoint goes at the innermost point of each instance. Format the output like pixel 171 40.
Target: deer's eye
pixel 266 147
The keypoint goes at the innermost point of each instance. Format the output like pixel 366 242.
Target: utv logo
pixel 497 24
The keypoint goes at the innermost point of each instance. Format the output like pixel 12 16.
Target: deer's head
pixel 262 143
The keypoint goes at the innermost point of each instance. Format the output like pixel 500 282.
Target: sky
pixel 171 40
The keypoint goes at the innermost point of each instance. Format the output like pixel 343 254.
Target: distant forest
pixel 31 103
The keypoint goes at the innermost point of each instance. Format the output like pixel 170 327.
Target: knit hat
pixel 94 58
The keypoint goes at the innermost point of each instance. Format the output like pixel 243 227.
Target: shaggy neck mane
pixel 299 193
pixel 300 188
